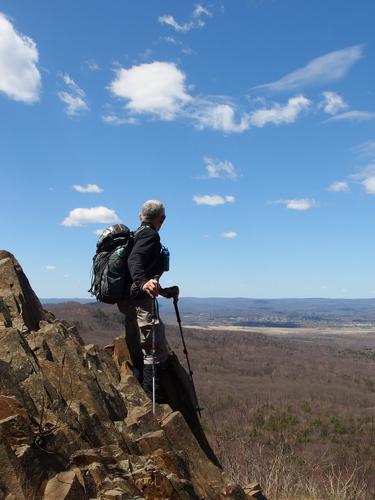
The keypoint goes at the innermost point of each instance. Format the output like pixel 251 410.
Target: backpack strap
pixel 138 231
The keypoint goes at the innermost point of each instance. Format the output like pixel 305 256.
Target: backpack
pixel 110 277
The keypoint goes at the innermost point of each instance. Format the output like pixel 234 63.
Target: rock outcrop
pixel 74 422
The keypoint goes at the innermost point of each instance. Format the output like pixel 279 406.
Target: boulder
pixel 21 305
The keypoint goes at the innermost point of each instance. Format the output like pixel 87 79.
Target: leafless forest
pixel 294 412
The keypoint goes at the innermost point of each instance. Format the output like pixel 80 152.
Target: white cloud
pixel 20 78
pixel 157 88
pixel 196 22
pixel 332 103
pixel 74 98
pixel 323 69
pixel 89 188
pixel 220 169
pixel 50 268
pixel 369 184
pixel 83 216
pixel 99 232
pixel 354 115
pixel 299 204
pixel 279 114
pixel 219 117
pixel 230 235
pixel 366 177
pixel 339 186
pixel 213 200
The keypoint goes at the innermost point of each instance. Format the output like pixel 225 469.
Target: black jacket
pixel 145 260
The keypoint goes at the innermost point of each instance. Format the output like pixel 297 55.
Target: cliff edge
pixel 75 424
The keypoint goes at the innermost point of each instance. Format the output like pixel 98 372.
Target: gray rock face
pixel 75 424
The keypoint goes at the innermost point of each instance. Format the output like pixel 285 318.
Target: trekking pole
pixel 153 348
pixel 197 407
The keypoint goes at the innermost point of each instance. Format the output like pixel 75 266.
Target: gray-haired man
pixel 147 260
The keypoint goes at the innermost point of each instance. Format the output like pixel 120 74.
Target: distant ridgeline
pixel 277 313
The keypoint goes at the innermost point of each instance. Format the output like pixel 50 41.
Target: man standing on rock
pixel 147 260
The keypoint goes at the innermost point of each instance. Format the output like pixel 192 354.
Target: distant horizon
pixel 88 299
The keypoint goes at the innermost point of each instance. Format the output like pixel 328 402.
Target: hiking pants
pixel 139 325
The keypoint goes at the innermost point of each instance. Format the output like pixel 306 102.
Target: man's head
pixel 153 211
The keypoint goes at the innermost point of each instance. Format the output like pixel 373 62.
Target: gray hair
pixel 152 209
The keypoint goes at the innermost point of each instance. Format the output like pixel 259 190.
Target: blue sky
pixel 253 121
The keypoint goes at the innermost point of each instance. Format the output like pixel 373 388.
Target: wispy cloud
pixel 74 98
pixel 220 169
pixel 324 69
pixel 113 119
pixel 94 215
pixel 213 199
pixel 339 186
pixel 92 65
pixel 171 21
pixel 20 78
pixel 50 268
pixel 199 11
pixel 197 20
pixel 301 204
pixel 187 50
pixel 230 235
pixel 89 188
pixel 279 114
pixel 366 149
pixel 332 103
pixel 156 88
pixel 170 39
pixel 357 116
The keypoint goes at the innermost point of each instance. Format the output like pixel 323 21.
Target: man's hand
pixel 152 287
pixel 171 292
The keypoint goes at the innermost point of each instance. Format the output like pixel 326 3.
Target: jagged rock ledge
pixel 75 424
